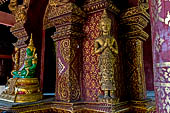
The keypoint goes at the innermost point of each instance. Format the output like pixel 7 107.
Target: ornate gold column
pixel 67 19
pixel 133 21
pixel 18 30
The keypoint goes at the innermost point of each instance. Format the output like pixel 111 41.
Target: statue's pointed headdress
pixel 31 45
pixel 105 17
pixel 31 41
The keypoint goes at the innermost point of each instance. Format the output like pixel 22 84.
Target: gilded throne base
pixel 108 100
pixel 22 90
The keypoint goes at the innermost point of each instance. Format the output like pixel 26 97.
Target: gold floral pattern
pixel 91 86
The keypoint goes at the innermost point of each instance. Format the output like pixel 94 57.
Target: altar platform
pixel 50 105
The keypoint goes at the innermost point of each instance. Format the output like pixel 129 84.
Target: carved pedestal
pixel 22 90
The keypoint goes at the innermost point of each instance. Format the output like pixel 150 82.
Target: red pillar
pixel 160 24
pixel 42 59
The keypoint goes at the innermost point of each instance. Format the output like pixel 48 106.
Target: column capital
pixel 137 10
pixel 67 13
pixel 134 31
pixel 66 9
pixel 67 31
pixel 133 21
pixel 96 5
pixel 68 21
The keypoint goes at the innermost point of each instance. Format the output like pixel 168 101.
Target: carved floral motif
pixel 19 11
pixel 91 86
pixel 160 23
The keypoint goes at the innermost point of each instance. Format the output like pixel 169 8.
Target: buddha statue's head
pixel 30 48
pixel 105 24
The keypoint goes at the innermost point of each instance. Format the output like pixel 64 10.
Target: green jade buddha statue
pixel 30 63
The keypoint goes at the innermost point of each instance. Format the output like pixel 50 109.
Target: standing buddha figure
pixel 107 48
pixel 30 63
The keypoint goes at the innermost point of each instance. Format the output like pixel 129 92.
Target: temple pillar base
pixel 142 106
pixel 51 106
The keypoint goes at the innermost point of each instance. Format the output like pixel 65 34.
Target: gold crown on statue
pixel 31 44
pixel 105 17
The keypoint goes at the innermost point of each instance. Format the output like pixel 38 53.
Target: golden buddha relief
pixel 107 48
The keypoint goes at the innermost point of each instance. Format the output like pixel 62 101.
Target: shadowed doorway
pixel 49 63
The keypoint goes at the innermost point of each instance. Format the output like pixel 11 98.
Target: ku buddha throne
pixel 23 87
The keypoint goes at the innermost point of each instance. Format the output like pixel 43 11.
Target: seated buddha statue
pixel 30 63
pixel 23 87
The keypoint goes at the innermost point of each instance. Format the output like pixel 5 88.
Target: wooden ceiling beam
pixel 7 19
